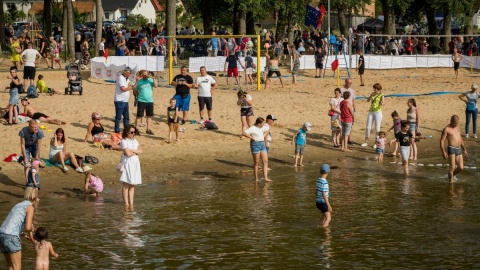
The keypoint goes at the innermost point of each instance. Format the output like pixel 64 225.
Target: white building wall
pixel 476 19
pixel 25 7
pixel 145 8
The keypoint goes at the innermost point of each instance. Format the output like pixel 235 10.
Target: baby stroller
pixel 74 79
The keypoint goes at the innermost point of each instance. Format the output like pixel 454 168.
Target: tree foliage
pixel 137 19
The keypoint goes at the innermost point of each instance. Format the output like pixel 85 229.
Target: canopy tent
pixel 371 25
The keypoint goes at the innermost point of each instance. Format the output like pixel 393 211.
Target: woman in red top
pixel 346 114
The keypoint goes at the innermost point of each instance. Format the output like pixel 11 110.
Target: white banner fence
pixel 109 69
pixel 393 61
pixel 217 63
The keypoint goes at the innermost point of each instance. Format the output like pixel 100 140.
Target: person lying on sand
pixel 30 111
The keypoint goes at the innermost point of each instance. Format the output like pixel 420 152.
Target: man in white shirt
pixel 122 95
pixel 205 84
pixel 29 58
pixel 351 99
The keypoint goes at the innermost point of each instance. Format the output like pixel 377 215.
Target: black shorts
pixel 319 65
pixel 38 115
pixel 322 207
pixel 361 71
pixel 202 101
pixel 456 65
pixel 144 107
pixel 101 53
pixel 270 73
pixel 29 73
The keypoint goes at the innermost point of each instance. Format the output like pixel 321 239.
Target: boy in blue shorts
pixel 322 195
pixel 300 140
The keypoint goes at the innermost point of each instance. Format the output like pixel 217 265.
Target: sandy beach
pixel 222 153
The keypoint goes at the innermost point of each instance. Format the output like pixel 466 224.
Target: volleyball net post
pixel 204 52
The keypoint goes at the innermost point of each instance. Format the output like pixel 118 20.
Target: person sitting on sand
pixel 42 87
pixel 96 130
pixel 58 151
pixel 30 111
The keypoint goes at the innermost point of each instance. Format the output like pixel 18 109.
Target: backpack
pixel 31 91
pixel 20 88
pixel 211 125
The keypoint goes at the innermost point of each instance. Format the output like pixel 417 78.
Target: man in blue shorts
pixel 183 82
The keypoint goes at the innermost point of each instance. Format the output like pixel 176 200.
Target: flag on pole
pixel 312 16
pixel 322 15
pixel 105 54
pixel 335 65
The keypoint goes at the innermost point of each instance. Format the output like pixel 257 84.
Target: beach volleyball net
pixel 211 51
pixel 166 55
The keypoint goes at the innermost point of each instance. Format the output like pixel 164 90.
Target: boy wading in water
pixel 322 195
pixel 454 150
pixel 405 139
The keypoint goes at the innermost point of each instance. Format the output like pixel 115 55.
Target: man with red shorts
pixel 232 60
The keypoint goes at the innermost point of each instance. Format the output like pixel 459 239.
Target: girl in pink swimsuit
pixel 93 183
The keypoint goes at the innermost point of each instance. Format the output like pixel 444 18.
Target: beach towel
pixel 58 164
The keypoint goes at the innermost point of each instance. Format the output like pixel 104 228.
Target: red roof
pixel 82 7
pixel 157 6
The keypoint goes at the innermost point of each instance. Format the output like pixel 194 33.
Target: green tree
pixel 391 9
pixel 137 19
pixel 346 7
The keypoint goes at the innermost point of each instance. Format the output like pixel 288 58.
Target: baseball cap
pixel 271 116
pixel 325 168
pixel 308 125
pixel 96 116
pixel 127 69
pixel 474 86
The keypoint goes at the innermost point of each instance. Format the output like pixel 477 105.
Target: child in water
pixel 93 183
pixel 300 140
pixel 322 202
pixel 397 121
pixel 405 139
pixel 43 248
pixel 380 143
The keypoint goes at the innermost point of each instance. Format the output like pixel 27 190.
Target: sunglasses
pixel 132 132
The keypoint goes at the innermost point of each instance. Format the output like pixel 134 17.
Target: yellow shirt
pixel 42 86
pixel 15 57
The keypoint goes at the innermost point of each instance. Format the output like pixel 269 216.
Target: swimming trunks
pixel 452 150
pixel 37 116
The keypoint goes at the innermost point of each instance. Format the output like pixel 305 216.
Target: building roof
pixel 82 7
pixel 111 5
pixel 158 7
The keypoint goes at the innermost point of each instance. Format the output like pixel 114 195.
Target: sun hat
pixel 96 116
pixel 308 125
pixel 325 168
pixel 474 86
pixel 87 168
pixel 271 116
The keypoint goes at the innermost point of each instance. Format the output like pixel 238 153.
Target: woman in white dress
pixel 131 174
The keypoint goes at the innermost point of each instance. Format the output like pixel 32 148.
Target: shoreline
pixel 222 154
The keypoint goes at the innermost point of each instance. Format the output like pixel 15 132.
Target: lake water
pixel 380 219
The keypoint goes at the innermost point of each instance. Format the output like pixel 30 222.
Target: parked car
pixel 105 24
pixel 83 27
